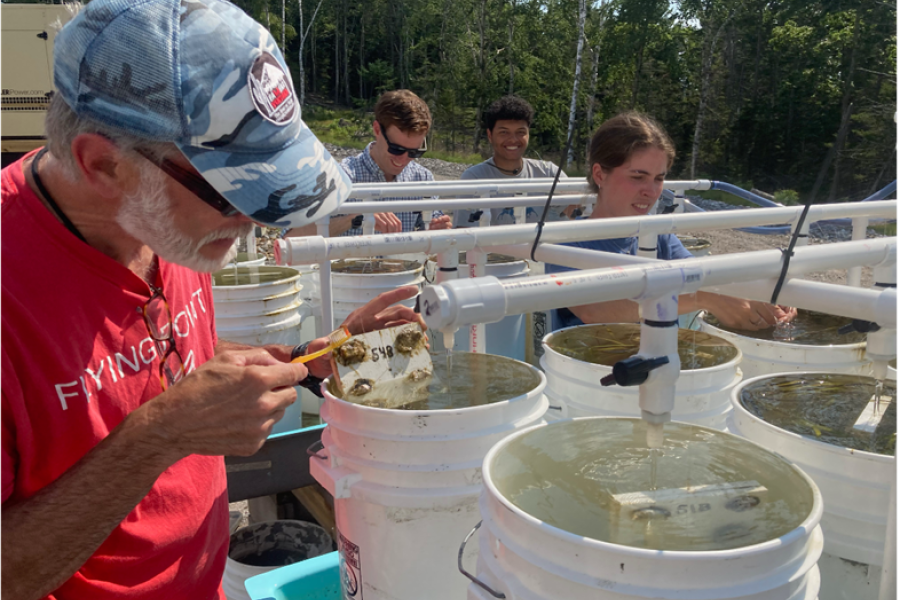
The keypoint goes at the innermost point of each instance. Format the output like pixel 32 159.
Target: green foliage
pixel 887 229
pixel 780 75
pixel 787 197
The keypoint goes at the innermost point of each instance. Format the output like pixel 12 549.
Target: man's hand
pixel 387 223
pixel 442 222
pixel 750 315
pixel 226 407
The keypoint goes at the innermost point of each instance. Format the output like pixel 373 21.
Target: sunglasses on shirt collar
pixel 398 150
pixel 193 183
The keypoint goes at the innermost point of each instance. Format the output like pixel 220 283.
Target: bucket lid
pixel 827 408
pixel 606 344
pixel 808 328
pixel 703 491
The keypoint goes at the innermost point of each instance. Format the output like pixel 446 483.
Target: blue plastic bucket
pixel 318 578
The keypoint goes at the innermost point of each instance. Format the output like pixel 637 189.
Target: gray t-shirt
pixel 530 169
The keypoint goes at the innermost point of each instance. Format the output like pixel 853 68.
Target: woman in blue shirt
pixel 630 155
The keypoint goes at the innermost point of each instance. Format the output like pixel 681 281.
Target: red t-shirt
pixel 76 359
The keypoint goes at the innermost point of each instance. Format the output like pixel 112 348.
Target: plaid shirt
pixel 363 169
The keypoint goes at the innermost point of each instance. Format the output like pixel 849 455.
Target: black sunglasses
pixel 397 149
pixel 193 183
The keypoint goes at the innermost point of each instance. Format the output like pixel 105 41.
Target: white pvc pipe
pixel 487 300
pixel 462 203
pixel 656 396
pixel 327 297
pixel 803 236
pixel 447 270
pixel 305 250
pixel 856 303
pixel 368 225
pixel 860 226
pixel 476 259
pixel 491 187
pixel 888 588
pixel 647 243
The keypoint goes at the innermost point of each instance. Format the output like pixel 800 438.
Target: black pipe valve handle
pixel 633 371
pixel 859 326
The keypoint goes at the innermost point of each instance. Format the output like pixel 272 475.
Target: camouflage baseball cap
pixel 204 75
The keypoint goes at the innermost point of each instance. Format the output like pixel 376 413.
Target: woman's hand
pixel 750 315
pixel 379 313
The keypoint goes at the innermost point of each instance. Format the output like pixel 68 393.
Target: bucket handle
pixel 471 577
pixel 313 450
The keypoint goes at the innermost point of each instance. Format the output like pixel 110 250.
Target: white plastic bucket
pixel 243 260
pixel 406 487
pixel 268 546
pixel 352 290
pixel 763 356
pixel 702 396
pixel 855 488
pixel 270 311
pixel 507 336
pixel 264 311
pixel 264 282
pixel 525 558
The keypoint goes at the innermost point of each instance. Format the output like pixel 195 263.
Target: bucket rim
pixel 733 363
pixel 538 389
pixel 287 279
pixel 418 269
pixel 804 529
pixel 739 408
pixel 292 292
pixel 223 330
pixel 722 333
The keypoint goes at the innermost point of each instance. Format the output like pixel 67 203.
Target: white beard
pixel 147 215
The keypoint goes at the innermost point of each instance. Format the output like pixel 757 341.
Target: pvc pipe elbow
pixel 462 302
pixel 301 250
pixel 886 308
pixel 881 345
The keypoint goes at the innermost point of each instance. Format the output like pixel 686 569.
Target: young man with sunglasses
pixel 402 121
pixel 175 128
pixel 507 123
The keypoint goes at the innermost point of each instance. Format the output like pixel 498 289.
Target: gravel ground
pixel 728 241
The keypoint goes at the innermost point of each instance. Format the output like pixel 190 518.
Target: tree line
pixel 776 94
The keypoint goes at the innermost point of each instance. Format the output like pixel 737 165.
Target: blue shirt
pixel 362 168
pixel 668 247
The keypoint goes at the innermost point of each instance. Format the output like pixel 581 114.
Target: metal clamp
pixel 471 577
pixel 313 450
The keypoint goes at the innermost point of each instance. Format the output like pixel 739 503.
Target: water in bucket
pixel 468 380
pixel 374 266
pixel 595 478
pixel 809 328
pixel 609 343
pixel 825 407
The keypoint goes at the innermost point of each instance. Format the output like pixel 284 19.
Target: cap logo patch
pixel 271 90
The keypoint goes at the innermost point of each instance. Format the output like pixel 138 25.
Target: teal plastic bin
pixel 318 578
